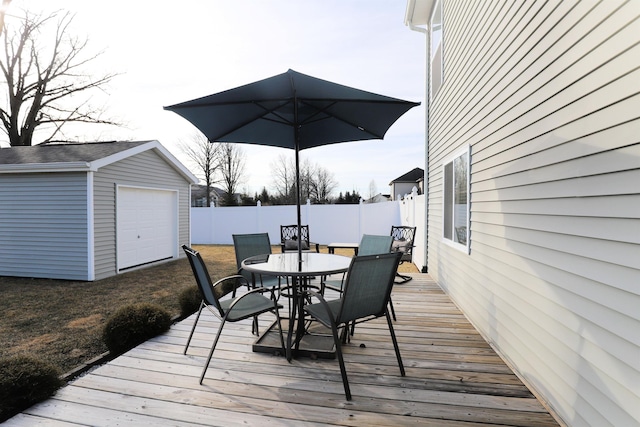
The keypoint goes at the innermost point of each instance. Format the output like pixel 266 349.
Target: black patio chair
pixel 233 308
pixel 289 238
pixel 248 245
pixel 403 238
pixel 365 297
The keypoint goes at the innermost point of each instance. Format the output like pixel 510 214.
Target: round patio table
pixel 299 269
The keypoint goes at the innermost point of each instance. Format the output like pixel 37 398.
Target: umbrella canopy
pixel 293 110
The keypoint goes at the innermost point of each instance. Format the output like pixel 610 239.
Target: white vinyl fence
pixel 327 223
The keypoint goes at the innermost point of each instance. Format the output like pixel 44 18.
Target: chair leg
pixel 194 327
pixel 393 312
pixel 343 371
pixel 277 312
pixel 404 279
pixel 254 326
pixel 395 344
pixel 213 347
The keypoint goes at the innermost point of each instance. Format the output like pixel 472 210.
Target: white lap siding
pixel 43 225
pixel 547 97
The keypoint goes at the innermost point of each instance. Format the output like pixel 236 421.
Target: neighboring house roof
pixel 81 157
pixel 199 191
pixel 378 198
pixel 415 175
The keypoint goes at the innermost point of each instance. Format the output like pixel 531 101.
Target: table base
pixel 316 345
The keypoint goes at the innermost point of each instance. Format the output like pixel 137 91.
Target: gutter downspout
pixel 425 31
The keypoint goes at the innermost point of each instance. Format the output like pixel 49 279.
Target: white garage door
pixel 147 226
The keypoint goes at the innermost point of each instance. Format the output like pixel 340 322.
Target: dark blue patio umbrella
pixel 293 110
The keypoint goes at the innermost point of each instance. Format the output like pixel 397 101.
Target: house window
pixel 456 199
pixel 435 33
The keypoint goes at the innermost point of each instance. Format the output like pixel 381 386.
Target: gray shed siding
pixel 547 97
pixel 43 225
pixel 146 169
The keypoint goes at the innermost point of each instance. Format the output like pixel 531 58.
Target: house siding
pixel 43 225
pixel 146 169
pixel 547 97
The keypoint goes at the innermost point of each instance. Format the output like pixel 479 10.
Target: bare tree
pixel 283 171
pixel 307 181
pixel 204 156
pixel 373 189
pixel 323 185
pixel 44 86
pixel 231 168
pixel 316 182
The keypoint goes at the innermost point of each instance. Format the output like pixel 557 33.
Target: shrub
pixel 134 324
pixel 189 299
pixel 24 381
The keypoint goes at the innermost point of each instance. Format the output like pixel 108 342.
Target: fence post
pixel 414 195
pixel 212 223
pixel 259 216
pixel 360 216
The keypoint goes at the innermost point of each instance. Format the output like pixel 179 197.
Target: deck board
pixel 454 378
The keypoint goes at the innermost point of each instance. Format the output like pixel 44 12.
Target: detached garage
pixel 90 211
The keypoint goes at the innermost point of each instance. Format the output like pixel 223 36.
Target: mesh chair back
pixel 289 236
pixel 367 288
pixel 248 245
pixel 203 279
pixel 403 237
pixel 373 245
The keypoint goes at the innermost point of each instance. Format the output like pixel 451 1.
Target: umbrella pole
pixel 296 136
pixel 298 208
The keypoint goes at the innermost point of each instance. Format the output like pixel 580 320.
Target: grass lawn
pixel 61 321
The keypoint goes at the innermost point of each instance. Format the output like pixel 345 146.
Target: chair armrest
pixel 238 282
pixel 323 301
pixel 256 291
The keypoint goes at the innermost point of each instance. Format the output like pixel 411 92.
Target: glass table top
pixel 287 264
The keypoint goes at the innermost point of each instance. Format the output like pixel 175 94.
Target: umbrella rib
pixel 266 111
pixel 324 111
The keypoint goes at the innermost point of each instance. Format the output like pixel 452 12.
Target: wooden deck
pixel 453 379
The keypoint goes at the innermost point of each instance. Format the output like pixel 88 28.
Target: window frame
pixel 448 200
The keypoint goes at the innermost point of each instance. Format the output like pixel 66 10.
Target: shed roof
pixel 78 157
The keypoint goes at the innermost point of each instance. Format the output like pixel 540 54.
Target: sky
pixel 167 52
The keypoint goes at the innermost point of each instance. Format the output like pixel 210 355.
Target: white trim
pixel 91 267
pixel 418 12
pixel 46 167
pixel 151 145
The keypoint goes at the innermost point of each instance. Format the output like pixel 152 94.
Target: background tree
pixel 231 168
pixel 323 184
pixel 373 189
pixel 283 172
pixel 316 182
pixel 44 85
pixel 349 198
pixel 264 197
pixel 204 157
